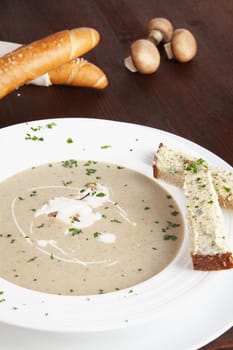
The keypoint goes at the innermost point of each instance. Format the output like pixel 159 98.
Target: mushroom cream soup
pixel 81 228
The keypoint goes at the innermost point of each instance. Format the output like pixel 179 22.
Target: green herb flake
pixel 21 198
pixel 101 291
pixel 90 171
pixel 227 189
pixel 130 291
pixel 168 237
pixel 51 125
pixel 211 201
pixel 40 226
pixel 30 137
pixel 105 146
pixel 75 231
pixel 2 300
pixel 116 221
pixel 69 140
pixel 1 292
pixel 173 224
pixel 174 213
pixel 36 128
pixel 33 193
pixel 69 163
pixel 147 208
pixel 101 194
pixel 32 259
pixel 96 234
pixel 67 183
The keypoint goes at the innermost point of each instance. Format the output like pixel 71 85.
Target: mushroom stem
pixel 156 35
pixel 168 50
pixel 129 64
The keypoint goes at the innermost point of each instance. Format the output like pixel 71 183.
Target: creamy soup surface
pixel 85 227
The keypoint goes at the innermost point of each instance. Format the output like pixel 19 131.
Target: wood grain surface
pixel 193 100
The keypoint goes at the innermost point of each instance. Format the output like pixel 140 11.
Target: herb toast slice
pixel 208 242
pixel 169 166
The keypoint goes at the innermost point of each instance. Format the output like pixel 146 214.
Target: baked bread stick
pixel 30 61
pixel 77 72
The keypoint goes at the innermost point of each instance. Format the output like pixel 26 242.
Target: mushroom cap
pixel 184 45
pixel 145 56
pixel 162 25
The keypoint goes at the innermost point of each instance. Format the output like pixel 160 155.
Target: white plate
pixel 177 309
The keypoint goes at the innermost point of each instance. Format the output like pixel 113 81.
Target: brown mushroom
pixel 183 46
pixel 160 29
pixel 145 57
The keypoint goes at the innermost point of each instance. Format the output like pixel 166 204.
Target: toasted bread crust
pixel 221 261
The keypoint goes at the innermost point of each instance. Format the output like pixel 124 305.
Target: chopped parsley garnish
pixel 90 171
pixel 32 259
pixel 174 213
pixel 36 128
pixel 173 224
pixel 51 125
pixel 33 194
pixel 20 198
pixel 33 137
pixel 66 183
pixel 40 226
pixel 169 237
pixel 69 140
pixel 70 163
pixel 227 189
pixel 194 165
pixel 101 194
pixel 116 221
pixel 75 231
pixel 105 146
pixel 96 234
pixel 2 300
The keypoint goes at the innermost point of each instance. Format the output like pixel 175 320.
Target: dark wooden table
pixel 193 100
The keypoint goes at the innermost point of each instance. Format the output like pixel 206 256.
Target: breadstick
pixel 169 166
pixel 30 61
pixel 77 72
